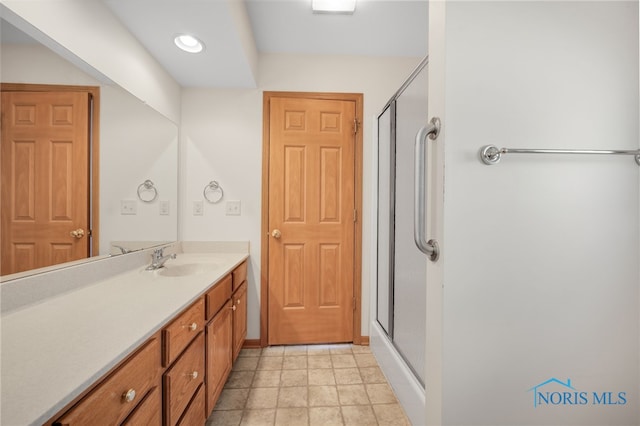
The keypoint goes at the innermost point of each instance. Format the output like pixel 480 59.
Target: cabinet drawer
pixel 218 296
pixel 182 380
pixel 112 400
pixel 149 412
pixel 181 331
pixel 239 275
pixel 195 412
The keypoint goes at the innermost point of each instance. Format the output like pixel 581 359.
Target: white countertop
pixel 53 350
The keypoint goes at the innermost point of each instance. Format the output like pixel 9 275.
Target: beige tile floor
pixel 307 385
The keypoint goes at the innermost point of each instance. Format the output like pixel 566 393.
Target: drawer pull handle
pixel 193 326
pixel 193 375
pixel 238 302
pixel 129 395
pixel 233 307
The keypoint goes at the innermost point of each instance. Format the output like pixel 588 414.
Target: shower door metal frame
pixel 392 106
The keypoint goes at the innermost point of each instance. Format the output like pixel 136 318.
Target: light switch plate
pixel 164 207
pixel 128 207
pixel 198 208
pixel 233 208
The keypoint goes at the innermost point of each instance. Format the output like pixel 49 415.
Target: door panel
pixel 311 204
pixel 45 178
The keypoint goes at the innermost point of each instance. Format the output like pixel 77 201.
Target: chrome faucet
pixel 123 250
pixel 158 259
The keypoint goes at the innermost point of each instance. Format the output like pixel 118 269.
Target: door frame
pixel 358 339
pixel 94 147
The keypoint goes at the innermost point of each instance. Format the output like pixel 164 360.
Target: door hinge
pixel 355 215
pixel 354 303
pixel 355 126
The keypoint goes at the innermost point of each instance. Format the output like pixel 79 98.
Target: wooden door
pixel 311 220
pixel 45 179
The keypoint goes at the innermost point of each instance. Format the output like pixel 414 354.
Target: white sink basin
pixel 180 270
pixel 186 269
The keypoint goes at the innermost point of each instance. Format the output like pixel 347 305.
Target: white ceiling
pixel 234 32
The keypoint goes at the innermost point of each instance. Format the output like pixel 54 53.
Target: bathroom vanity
pixel 139 347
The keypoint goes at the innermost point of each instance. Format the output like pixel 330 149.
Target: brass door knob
pixel 78 233
pixel 276 234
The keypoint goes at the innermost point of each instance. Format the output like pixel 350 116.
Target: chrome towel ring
pixel 147 192
pixel 213 192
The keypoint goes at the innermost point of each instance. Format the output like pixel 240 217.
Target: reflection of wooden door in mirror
pixel 45 179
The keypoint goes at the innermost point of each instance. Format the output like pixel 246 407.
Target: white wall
pixel 221 139
pixel 540 253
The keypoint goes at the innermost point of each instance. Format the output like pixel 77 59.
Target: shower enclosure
pixel 398 336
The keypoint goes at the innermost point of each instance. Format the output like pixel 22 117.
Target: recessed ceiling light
pixel 188 43
pixel 333 6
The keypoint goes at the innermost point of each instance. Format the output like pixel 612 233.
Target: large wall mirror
pixel 137 145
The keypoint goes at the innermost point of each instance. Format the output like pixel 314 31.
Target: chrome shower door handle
pixel 430 248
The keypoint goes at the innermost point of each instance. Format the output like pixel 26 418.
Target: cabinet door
pixel 239 319
pixel 219 352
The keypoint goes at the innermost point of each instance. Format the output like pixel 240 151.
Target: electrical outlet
pixel 128 207
pixel 233 208
pixel 164 208
pixel 198 208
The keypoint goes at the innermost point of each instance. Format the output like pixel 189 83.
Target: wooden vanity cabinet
pixel 176 377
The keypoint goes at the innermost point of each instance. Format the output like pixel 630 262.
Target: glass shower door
pixel 401 291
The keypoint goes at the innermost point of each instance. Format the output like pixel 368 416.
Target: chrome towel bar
pixel 491 154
